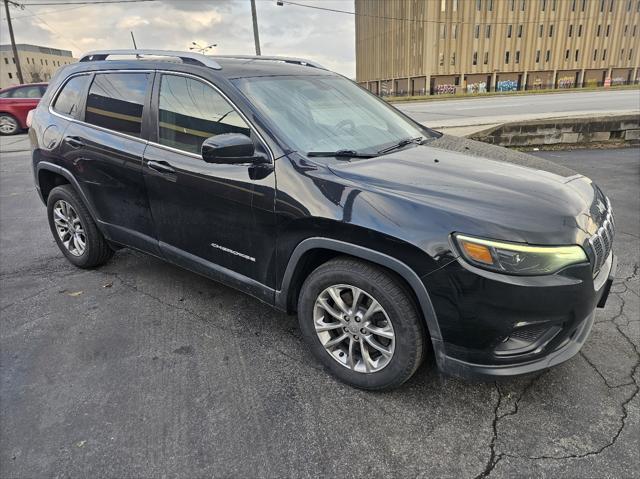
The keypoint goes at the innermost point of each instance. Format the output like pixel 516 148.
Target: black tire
pixel 9 120
pixel 387 289
pixel 97 250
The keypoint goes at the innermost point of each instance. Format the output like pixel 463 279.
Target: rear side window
pixel 71 96
pixel 191 111
pixel 116 101
pixel 27 92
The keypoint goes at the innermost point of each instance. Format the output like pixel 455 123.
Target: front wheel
pixel 361 324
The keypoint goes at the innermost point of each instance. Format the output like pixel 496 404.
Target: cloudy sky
pixel 291 30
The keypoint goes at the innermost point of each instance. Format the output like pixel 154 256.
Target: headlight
pixel 518 258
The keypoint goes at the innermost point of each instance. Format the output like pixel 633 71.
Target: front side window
pixel 70 97
pixel 190 111
pixel 327 113
pixel 116 101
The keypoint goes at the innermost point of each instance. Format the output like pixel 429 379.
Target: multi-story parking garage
pixel 419 47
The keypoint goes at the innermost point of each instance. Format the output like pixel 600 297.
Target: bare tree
pixel 34 73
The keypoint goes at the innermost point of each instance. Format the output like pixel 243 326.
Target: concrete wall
pixel 614 129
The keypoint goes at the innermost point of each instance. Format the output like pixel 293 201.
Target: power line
pixel 96 2
pixel 442 21
pixel 49 12
pixel 56 31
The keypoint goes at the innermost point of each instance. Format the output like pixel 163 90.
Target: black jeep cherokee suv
pixel 293 184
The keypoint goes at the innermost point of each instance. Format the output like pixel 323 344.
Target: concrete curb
pixel 602 130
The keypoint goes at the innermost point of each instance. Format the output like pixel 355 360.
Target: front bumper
pixel 570 306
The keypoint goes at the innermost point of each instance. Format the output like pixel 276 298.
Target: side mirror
pixel 228 148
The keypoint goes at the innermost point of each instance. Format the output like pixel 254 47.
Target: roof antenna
pixel 135 47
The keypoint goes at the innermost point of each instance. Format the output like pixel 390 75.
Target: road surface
pixel 141 369
pixel 497 109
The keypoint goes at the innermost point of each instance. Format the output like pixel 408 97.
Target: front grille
pixel 602 242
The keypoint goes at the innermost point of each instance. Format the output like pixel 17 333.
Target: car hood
pixel 484 190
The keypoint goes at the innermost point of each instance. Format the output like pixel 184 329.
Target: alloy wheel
pixel 354 328
pixel 8 125
pixel 69 228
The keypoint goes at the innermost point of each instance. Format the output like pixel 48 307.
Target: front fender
pixel 373 256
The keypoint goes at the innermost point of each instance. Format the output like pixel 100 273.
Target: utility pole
pixel 256 36
pixel 13 41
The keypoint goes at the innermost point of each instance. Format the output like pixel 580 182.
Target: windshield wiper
pixel 401 143
pixel 340 154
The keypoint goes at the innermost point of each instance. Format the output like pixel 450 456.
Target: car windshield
pixel 329 114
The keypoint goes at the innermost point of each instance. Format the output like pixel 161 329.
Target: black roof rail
pixel 297 61
pixel 186 57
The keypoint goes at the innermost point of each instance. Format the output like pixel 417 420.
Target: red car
pixel 15 103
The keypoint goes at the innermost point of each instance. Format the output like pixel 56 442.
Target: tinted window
pixel 70 98
pixel 191 112
pixel 116 101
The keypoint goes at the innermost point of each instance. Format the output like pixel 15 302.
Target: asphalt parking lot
pixel 140 369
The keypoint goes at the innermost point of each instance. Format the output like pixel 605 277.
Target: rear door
pixel 208 217
pixel 104 150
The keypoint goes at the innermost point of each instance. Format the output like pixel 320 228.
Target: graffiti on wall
pixel 507 85
pixel 591 82
pixel 477 87
pixel 447 89
pixel 566 82
pixel 537 84
pixel 618 81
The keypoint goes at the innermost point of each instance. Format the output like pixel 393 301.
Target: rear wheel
pixel 361 324
pixel 74 230
pixel 8 124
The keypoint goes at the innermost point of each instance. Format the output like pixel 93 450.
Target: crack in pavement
pixel 496 456
pixel 614 439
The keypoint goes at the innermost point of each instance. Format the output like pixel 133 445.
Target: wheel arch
pixel 312 252
pixel 48 180
pixel 49 175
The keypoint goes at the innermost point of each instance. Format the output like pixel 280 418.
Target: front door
pixel 205 213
